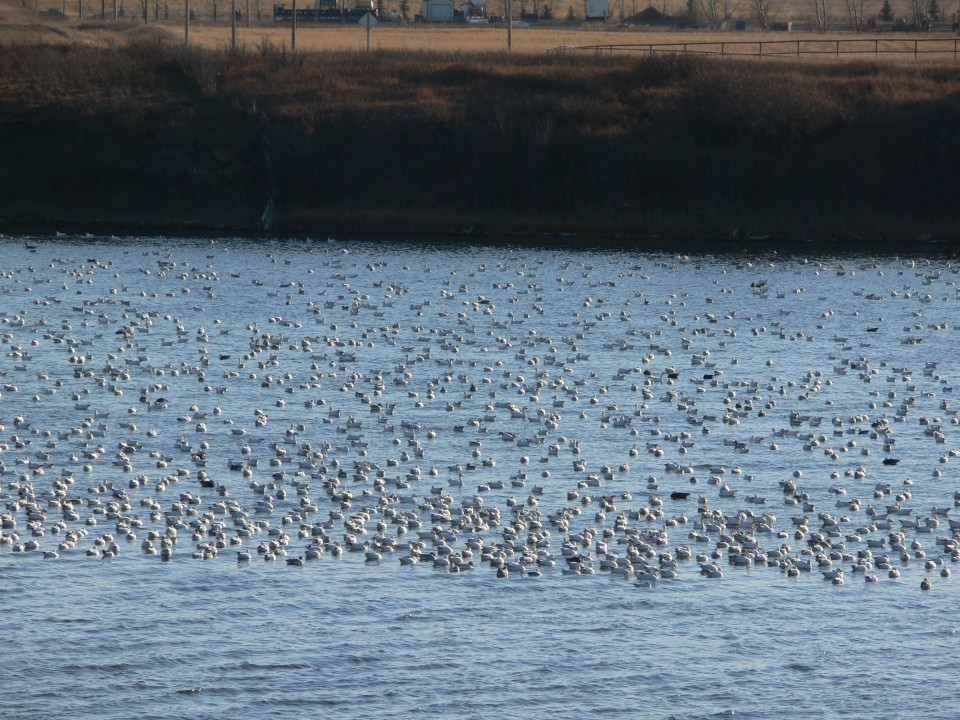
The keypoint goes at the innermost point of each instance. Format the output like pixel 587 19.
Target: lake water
pixel 481 404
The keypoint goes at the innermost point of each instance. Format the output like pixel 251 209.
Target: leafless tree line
pixel 859 12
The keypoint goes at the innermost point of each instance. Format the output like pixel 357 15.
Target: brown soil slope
pixel 148 135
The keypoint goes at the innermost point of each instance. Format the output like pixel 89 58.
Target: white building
pixel 438 10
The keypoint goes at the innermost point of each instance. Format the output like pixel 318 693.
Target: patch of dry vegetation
pixel 664 144
pixel 409 141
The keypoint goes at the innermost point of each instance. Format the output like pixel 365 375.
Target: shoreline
pixel 528 239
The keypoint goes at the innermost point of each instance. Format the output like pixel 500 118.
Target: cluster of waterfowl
pixel 493 415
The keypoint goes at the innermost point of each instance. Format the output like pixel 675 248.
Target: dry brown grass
pixel 432 136
pixel 470 39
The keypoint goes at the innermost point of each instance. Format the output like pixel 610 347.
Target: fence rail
pixel 917 47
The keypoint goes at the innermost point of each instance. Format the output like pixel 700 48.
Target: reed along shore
pixel 155 137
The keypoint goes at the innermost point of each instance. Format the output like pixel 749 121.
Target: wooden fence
pixel 932 48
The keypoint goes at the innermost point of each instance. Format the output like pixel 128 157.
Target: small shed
pixel 597 10
pixel 438 10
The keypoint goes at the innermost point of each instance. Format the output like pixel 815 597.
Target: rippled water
pixel 836 343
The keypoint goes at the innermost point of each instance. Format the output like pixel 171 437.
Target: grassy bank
pixel 152 135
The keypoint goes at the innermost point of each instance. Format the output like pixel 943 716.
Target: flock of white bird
pixel 525 413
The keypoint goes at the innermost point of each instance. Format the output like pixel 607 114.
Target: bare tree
pixel 857 12
pixel 766 10
pixel 820 10
pixel 659 5
pixel 918 8
pixel 762 6
pixel 716 11
pixel 712 10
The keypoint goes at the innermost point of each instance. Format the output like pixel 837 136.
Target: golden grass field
pixel 419 37
pixel 22 23
pixel 487 39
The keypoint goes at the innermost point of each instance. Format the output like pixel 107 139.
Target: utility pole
pixel 293 25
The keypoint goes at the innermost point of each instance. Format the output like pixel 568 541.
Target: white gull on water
pixel 656 421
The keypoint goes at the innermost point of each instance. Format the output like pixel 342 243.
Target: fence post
pixel 798 48
pixel 838 47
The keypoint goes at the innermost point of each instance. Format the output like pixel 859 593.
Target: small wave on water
pixel 265 480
